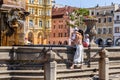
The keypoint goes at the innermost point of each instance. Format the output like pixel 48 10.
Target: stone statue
pixel 14 16
pixel 13 20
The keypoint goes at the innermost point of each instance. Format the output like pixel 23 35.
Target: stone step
pixel 22 77
pixel 85 72
pixel 63 73
pixel 115 77
pixel 22 72
pixel 65 66
pixel 26 66
pixel 5 77
pixel 28 77
pixel 4 73
pixel 78 73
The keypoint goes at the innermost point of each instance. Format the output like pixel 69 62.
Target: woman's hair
pixel 82 33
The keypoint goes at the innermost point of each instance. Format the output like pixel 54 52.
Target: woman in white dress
pixel 78 57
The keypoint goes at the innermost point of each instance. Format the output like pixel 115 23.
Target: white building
pixel 116 29
pixel 104 26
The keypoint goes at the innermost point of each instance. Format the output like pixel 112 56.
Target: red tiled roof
pixel 63 10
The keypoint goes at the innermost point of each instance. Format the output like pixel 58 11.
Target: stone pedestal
pixel 103 65
pixel 50 66
pixel 91 22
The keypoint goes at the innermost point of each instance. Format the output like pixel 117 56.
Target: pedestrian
pixel 27 42
pixel 78 57
pixel 86 41
pixel 73 35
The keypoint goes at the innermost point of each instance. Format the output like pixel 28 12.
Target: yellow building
pixel 38 23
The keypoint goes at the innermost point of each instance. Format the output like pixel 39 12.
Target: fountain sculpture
pixel 13 29
pixel 91 22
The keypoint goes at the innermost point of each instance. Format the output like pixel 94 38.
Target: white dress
pixel 78 57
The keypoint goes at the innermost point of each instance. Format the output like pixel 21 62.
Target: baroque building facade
pixel 104 26
pixel 39 21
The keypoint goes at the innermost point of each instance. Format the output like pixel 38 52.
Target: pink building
pixel 60 31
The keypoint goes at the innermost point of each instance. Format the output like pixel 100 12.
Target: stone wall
pixel 34 57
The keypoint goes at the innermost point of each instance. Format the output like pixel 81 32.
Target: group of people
pixel 78 39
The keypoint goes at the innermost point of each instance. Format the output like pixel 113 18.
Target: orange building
pixel 60 31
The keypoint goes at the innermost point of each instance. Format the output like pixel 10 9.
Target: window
pixel 109 19
pixel 61 34
pixel 40 12
pixel 99 31
pixel 65 26
pixel 48 24
pixel 48 1
pixel 58 34
pixel 40 1
pixel 104 30
pixel 110 30
pixel 53 42
pixel 92 13
pixel 53 34
pixel 40 23
pixel 31 10
pixel 31 23
pixel 104 20
pixel 65 34
pixel 117 30
pixel 112 12
pixel 117 17
pixel 97 13
pixel 48 12
pixel 59 26
pixel 31 1
pixel 54 27
pixel 99 20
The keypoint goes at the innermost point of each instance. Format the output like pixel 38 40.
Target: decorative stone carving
pixel 91 22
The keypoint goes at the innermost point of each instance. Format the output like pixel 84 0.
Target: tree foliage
pixel 77 16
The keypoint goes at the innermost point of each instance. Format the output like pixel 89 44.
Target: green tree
pixel 76 18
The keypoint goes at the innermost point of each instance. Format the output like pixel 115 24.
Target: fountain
pixel 90 22
pixel 12 24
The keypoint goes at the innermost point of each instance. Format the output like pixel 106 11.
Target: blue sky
pixel 86 3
